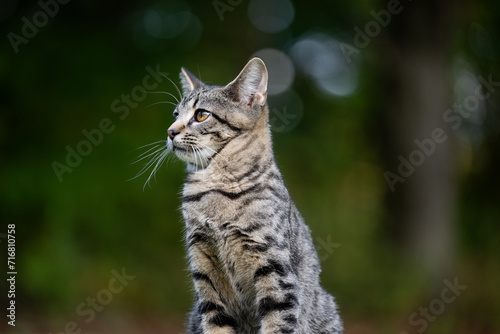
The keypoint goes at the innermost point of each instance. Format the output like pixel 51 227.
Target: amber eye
pixel 201 114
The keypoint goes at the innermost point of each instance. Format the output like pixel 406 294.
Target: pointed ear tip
pixel 257 60
pixel 258 63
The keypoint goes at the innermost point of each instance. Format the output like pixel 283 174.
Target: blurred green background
pixel 353 86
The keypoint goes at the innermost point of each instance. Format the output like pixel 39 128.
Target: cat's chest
pixel 226 226
pixel 238 222
pixel 219 202
pixel 222 227
pixel 209 213
pixel 225 242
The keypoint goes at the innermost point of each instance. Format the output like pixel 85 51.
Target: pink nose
pixel 172 133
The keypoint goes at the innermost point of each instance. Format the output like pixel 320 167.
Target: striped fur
pixel 252 260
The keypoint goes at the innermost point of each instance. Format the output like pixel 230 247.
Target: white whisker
pixel 205 161
pixel 162 102
pixel 151 149
pixel 173 83
pixel 195 156
pixel 148 165
pixel 211 149
pixel 167 93
pixel 216 164
pixel 156 142
pixel 147 156
pixel 159 163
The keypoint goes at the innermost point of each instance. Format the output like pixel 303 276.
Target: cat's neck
pixel 239 163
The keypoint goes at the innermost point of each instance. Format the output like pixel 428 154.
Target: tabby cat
pixel 251 257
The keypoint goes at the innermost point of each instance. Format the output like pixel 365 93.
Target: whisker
pixel 211 149
pixel 167 93
pixel 195 155
pixel 147 156
pixel 202 156
pixel 155 161
pixel 158 145
pixel 161 102
pixel 156 142
pixel 151 148
pixel 173 83
pixel 216 163
pixel 207 162
pixel 159 163
pixel 158 160
pixel 148 164
pixel 144 169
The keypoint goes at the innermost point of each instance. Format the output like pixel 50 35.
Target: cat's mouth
pixel 183 149
pixel 192 154
pixel 197 155
pixel 178 147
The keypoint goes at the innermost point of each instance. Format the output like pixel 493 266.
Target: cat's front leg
pixel 277 298
pixel 210 314
pixel 214 318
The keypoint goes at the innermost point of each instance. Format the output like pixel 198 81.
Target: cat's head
pixel 209 117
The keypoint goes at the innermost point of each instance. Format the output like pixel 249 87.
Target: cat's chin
pixel 184 155
pixel 194 161
pixel 193 167
pixel 196 158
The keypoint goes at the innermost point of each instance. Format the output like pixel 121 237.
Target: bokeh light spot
pixel 319 57
pixel 281 70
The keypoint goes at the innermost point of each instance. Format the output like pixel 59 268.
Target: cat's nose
pixel 172 133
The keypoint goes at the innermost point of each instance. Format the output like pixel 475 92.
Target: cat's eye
pixel 176 114
pixel 201 114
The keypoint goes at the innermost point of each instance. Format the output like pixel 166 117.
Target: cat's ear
pixel 189 81
pixel 250 86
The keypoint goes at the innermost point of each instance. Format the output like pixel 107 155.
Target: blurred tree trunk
pixel 417 93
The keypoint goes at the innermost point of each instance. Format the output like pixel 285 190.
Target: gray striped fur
pixel 251 256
